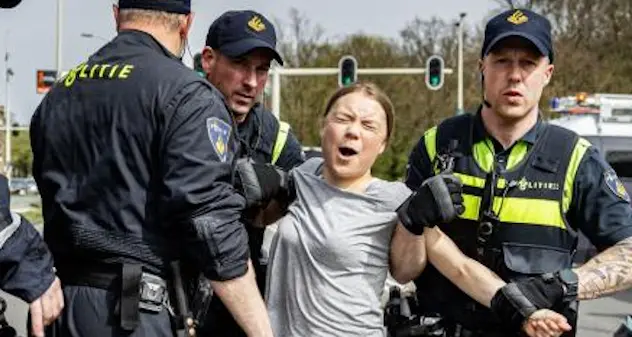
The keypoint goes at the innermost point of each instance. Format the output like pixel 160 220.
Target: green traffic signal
pixel 434 72
pixel 347 71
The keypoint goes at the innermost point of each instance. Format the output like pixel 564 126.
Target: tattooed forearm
pixel 607 273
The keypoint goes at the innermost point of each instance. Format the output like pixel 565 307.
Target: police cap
pixel 9 3
pixel 519 22
pixel 236 33
pixel 170 6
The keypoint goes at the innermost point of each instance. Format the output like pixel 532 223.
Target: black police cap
pixel 9 3
pixel 236 33
pixel 170 6
pixel 519 22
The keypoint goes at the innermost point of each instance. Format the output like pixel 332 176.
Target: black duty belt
pixel 138 289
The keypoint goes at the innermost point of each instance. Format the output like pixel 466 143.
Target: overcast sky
pixel 28 31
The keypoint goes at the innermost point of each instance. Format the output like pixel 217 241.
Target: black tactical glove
pixel 438 200
pixel 549 290
pixel 260 183
pixel 518 300
pixel 5 203
pixel 512 307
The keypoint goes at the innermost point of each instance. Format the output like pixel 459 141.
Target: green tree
pixel 21 154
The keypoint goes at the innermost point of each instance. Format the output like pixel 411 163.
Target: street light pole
pixel 7 119
pixel 58 64
pixel 459 107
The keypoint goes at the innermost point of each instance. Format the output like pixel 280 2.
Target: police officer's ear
pixel 115 11
pixel 548 73
pixel 188 22
pixel 208 59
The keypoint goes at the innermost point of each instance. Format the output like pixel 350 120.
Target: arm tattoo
pixel 607 273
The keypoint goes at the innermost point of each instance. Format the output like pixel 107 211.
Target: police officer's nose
pixel 250 78
pixel 515 72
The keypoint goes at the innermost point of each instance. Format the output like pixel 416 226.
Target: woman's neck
pixel 357 184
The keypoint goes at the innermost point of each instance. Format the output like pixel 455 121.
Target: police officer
pixel 133 155
pixel 240 46
pixel 26 266
pixel 528 188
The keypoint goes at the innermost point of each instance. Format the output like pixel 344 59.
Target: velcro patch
pixel 219 134
pixel 615 185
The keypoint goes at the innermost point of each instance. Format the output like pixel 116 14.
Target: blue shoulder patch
pixel 219 134
pixel 615 185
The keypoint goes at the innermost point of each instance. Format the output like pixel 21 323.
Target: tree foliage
pixel 592 41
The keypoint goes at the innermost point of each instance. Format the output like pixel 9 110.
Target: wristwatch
pixel 570 281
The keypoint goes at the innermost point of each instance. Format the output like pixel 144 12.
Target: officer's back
pixel 133 156
pixel 97 137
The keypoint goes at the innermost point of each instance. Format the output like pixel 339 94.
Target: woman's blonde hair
pixel 370 90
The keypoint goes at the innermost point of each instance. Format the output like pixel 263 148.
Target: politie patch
pixel 219 134
pixel 615 185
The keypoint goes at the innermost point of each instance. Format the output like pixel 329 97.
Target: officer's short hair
pixel 172 21
pixel 371 90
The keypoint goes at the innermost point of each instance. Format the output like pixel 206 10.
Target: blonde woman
pixel 341 233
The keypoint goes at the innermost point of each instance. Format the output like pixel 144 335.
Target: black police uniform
pixel 262 139
pixel 548 186
pixel 26 265
pixel 133 156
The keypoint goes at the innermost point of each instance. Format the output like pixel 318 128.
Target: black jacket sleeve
pixel 198 149
pixel 292 154
pixel 26 264
pixel 600 207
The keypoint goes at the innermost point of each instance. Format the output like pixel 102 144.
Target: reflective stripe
pixel 518 152
pixel 6 233
pixel 484 154
pixel 279 143
pixel 576 158
pixel 473 181
pixel 472 203
pixel 430 139
pixel 530 211
pixel 518 210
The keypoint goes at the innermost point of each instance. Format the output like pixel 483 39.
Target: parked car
pixel 23 186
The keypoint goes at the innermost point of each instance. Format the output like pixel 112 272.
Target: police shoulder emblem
pixel 219 134
pixel 615 185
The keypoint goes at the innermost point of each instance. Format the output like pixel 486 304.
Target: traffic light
pixel 434 72
pixel 197 64
pixel 347 71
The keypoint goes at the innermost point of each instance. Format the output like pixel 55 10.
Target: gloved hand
pixel 518 300
pixel 511 306
pixel 544 291
pixel 438 200
pixel 260 183
pixel 5 202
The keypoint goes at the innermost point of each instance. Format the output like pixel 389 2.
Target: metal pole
pixel 7 122
pixel 276 92
pixel 58 64
pixel 459 107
